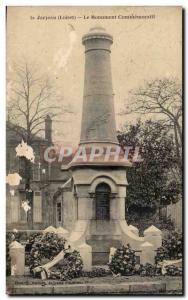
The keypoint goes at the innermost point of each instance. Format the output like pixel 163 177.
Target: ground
pixel 83 280
pixel 104 285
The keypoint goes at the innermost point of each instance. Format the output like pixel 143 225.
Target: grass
pixel 28 280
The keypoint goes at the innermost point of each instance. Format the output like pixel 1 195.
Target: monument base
pixel 99 244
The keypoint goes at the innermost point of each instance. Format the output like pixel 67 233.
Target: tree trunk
pixel 178 148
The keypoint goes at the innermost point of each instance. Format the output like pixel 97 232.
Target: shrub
pixel 149 270
pixel 171 248
pixel 123 261
pixel 173 271
pixel 70 267
pixel 96 272
pixel 8 260
pixel 44 247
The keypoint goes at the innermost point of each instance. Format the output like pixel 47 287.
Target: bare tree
pixel 31 98
pixel 164 98
pixel 29 102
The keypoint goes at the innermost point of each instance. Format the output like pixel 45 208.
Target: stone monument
pixel 99 184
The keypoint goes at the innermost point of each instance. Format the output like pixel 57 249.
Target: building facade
pixel 45 183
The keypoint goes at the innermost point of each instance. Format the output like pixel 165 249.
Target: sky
pixel 143 49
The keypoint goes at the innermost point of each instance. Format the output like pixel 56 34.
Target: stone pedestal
pixel 112 252
pixel 99 176
pixel 17 254
pixel 147 254
pixel 86 254
pixel 102 234
pixel 154 236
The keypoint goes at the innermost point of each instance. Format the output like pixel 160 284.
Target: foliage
pixel 149 270
pixel 70 267
pixel 96 272
pixel 154 270
pixel 123 261
pixel 44 247
pixel 8 260
pixel 162 98
pixel 173 271
pixel 146 220
pixel 171 248
pixel 150 181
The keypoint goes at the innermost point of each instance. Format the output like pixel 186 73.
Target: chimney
pixel 48 129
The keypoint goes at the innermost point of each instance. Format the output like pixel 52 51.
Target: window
pixel 36 172
pixel 102 202
pixel 15 208
pixel 37 207
pixel 58 212
pixel 23 214
pixel 22 166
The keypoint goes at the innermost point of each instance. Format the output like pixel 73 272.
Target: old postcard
pixel 94 150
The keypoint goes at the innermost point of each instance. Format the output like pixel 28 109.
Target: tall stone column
pixel 98 118
pixel 98 131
